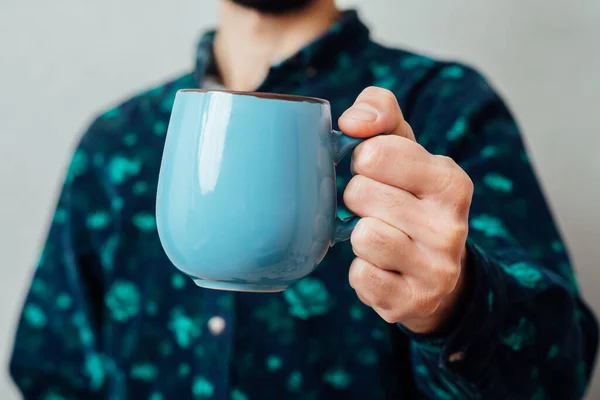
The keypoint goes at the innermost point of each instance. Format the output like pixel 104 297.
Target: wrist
pixel 450 311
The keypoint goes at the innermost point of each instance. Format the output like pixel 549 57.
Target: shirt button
pixel 216 325
pixel 458 356
pixel 311 72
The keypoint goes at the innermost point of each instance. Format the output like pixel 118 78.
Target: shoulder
pixel 139 119
pixel 126 141
pixel 416 77
pixel 441 99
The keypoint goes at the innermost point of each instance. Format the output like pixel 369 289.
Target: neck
pixel 248 43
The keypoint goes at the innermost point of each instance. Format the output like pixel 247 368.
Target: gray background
pixel 64 60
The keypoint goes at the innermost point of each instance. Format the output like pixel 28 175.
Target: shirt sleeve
pixel 56 346
pixel 525 332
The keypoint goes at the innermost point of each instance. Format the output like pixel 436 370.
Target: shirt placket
pixel 212 375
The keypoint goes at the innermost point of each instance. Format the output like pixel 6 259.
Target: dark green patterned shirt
pixel 108 317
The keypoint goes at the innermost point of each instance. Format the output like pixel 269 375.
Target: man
pixel 415 305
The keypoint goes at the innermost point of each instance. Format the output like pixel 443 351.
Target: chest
pixel 159 322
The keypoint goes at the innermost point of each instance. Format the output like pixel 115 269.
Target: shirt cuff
pixel 466 348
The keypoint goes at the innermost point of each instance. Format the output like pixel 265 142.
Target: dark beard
pixel 274 6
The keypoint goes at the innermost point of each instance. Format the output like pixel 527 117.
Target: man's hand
pixel 414 208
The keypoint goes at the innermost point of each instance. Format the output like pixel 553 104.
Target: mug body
pixel 246 193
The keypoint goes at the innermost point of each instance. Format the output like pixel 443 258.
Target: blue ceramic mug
pixel 246 193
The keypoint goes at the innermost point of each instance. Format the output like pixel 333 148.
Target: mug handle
pixel 340 146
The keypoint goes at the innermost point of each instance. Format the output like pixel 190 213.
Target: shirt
pixel 108 317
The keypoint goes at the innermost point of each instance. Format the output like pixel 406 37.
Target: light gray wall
pixel 61 61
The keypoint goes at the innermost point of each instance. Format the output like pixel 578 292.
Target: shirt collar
pixel 347 33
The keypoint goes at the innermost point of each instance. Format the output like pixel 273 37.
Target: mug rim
pixel 262 95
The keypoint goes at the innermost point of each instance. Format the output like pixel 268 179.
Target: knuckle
pixel 431 225
pixel 363 299
pixel 382 299
pixel 368 156
pixel 359 237
pixel 445 180
pixel 426 306
pixel 464 189
pixel 387 198
pixel 453 181
pixel 389 317
pixel 361 274
pixel 378 288
pixel 468 185
pixel 364 234
pixel 424 302
pixel 447 280
pixel 455 235
pixel 445 274
pixel 370 234
pixel 355 192
pixel 446 161
pixel 459 233
pixel 381 303
pixel 354 273
pixel 407 130
pixel 388 97
pixel 372 279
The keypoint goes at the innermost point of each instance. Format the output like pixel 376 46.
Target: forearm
pixel 524 334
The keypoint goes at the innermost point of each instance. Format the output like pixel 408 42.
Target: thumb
pixel 375 112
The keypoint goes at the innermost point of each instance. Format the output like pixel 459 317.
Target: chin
pixel 274 6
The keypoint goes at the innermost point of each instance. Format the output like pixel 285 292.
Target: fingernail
pixel 362 112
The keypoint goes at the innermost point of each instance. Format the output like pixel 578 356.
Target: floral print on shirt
pixel 108 317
